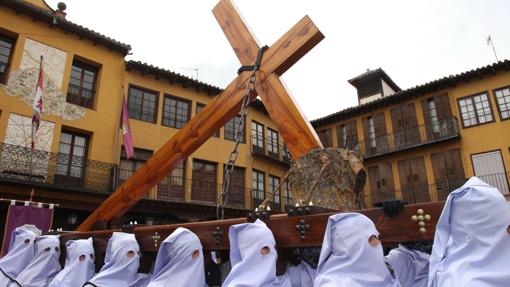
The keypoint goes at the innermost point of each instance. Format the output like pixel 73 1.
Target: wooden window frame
pixel 256 137
pixel 329 132
pixel 475 110
pixel 133 159
pixel 272 179
pixel 177 124
pixel 198 108
pixel 78 98
pixel 71 154
pixel 258 172
pixel 287 196
pixel 235 185
pixel 214 183
pixel 144 91
pixel 170 186
pixel 12 41
pixel 497 103
pixel 233 122
pixel 271 143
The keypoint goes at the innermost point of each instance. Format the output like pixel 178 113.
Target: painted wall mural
pixel 17 159
pixel 22 82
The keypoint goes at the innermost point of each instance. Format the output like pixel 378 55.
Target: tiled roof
pixel 442 83
pixel 171 76
pixel 183 80
pixel 20 6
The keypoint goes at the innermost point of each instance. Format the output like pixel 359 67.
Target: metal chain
pixel 239 134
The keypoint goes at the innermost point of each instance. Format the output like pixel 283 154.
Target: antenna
pixel 489 42
pixel 193 69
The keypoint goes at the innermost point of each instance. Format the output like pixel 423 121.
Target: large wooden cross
pixel 295 130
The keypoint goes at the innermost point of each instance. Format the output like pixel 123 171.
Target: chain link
pixel 238 136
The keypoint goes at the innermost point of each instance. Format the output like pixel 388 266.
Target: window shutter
pixel 352 136
pixel 444 111
pixel 366 134
pixel 380 131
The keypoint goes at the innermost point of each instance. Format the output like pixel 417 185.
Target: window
pixel 142 104
pixel 371 132
pixel 325 137
pixel 287 196
pixel 503 102
pixel 347 136
pixel 230 129
pixel 72 154
pixel 274 183
pixel 236 188
pixel 272 143
pixel 6 48
pixel 199 108
pixel 257 136
pixel 82 85
pixel 203 182
pixel 176 112
pixel 129 166
pixel 172 186
pixel 258 185
pixel 285 153
pixel 475 110
pixel 343 136
pixel 434 121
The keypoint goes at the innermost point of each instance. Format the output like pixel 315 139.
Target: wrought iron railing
pixel 80 96
pixel 434 192
pixel 23 164
pixel 408 138
pixel 269 148
pixel 258 196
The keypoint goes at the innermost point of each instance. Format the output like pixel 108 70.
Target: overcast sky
pixel 413 41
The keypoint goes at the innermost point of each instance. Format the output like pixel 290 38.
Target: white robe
pixel 471 243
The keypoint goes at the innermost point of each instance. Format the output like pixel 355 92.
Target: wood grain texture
pixel 293 45
pixel 392 230
pixel 292 124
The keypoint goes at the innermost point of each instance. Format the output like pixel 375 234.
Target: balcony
pixel 422 193
pixel 265 148
pixel 409 138
pixel 172 189
pixel 258 196
pixel 37 167
pixel 80 96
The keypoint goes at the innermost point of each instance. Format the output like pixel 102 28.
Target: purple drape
pixel 19 215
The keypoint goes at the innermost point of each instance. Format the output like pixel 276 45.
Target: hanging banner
pixel 18 215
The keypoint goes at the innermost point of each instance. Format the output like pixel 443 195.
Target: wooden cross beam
pixel 214 234
pixel 296 131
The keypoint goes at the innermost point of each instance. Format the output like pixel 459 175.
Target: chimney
pixel 60 11
pixel 373 85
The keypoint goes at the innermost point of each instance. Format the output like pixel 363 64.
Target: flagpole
pixel 34 130
pixel 117 128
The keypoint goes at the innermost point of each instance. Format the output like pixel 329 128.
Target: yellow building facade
pixel 78 158
pixel 422 143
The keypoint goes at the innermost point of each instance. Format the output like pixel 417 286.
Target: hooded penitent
pixel 472 240
pixel 79 266
pixel 411 266
pixel 21 252
pixel 180 261
pixel 45 264
pixel 121 263
pixel 301 275
pixel 252 255
pixel 349 258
